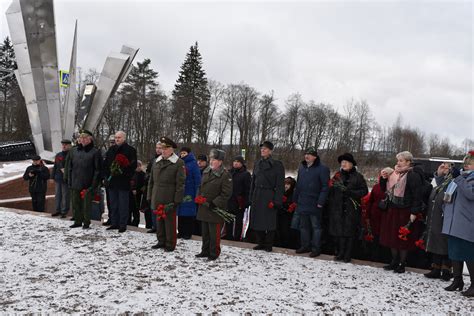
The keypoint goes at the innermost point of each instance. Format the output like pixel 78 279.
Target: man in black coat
pixel 239 200
pixel 120 165
pixel 62 191
pixel 83 177
pixel 37 176
pixel 267 188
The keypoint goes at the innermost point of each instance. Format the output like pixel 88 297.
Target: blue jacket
pixel 311 187
pixel 193 181
pixel 459 214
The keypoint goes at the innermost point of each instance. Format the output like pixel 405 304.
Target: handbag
pixel 383 204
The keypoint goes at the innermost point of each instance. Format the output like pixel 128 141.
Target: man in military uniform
pixel 62 191
pixel 266 192
pixel 165 187
pixel 83 176
pixel 216 187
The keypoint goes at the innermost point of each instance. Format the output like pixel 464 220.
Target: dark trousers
pixel 38 200
pixel 62 197
pixel 345 245
pixel 166 230
pixel 185 226
pixel 233 230
pixel 310 232
pixel 211 239
pixel 81 207
pixel 265 237
pixel 134 213
pixel 148 219
pixel 119 203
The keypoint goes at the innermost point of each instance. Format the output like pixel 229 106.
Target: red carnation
pixel 284 199
pixel 404 232
pixel 369 237
pixel 200 200
pixel 270 204
pixel 420 243
pixel 292 207
pixel 160 212
pixel 83 194
pixel 471 153
pixel 97 198
pixel 122 160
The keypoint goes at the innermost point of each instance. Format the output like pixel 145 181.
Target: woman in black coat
pixel 347 187
pixel 436 242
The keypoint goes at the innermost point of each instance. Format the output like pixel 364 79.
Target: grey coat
pixel 83 167
pixel 459 214
pixel 436 242
pixel 268 185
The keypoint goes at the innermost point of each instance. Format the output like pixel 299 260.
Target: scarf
pixel 397 181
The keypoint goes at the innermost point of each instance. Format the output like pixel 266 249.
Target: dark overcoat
pixel 268 185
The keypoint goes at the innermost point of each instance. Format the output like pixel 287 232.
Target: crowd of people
pixel 182 195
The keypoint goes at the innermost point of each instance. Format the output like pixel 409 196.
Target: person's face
pixel 85 140
pixel 167 152
pixel 287 186
pixel 183 154
pixel 346 165
pixel 265 152
pixel 111 142
pixel 36 162
pixel 65 147
pixel 215 164
pixel 402 163
pixel 309 158
pixel 139 168
pixel 119 138
pixel 202 164
pixel 237 164
pixel 469 166
pixel 159 149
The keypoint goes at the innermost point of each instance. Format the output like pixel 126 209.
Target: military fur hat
pixel 217 154
pixel 347 157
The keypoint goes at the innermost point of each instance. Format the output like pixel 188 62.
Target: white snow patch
pixel 49 268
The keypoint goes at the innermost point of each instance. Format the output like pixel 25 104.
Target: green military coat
pixel 216 187
pixel 166 184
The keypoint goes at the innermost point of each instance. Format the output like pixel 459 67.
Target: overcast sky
pixel 413 58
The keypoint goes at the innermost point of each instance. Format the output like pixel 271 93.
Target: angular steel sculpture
pixel 69 111
pixel 32 31
pixel 116 68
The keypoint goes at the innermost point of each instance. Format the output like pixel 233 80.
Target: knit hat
pixel 240 159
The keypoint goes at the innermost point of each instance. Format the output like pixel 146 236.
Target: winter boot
pixel 400 268
pixel 392 265
pixel 446 273
pixel 458 283
pixel 435 272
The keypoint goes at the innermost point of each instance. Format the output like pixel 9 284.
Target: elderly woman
pixel 346 188
pixel 458 224
pixel 403 189
pixel 436 242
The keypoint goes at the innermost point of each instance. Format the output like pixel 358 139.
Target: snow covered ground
pixel 12 170
pixel 47 267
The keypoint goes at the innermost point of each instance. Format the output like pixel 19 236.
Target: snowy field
pixel 48 268
pixel 12 170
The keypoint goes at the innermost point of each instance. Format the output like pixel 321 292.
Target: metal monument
pixel 32 31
